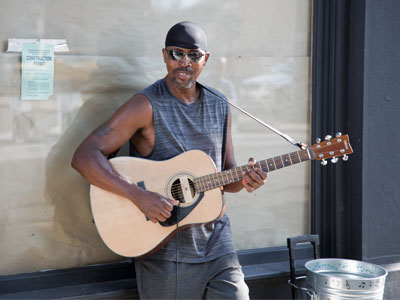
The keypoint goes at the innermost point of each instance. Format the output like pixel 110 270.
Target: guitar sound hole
pixel 176 190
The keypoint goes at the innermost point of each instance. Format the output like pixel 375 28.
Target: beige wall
pixel 259 57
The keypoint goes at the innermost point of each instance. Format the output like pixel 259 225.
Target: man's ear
pixel 206 56
pixel 164 52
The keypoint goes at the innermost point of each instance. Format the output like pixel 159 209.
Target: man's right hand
pixel 155 207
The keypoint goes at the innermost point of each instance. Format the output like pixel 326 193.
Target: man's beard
pixel 183 84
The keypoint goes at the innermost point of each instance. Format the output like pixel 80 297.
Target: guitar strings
pixel 276 162
pixel 211 181
pixel 214 180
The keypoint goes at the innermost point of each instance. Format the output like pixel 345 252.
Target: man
pixel 173 115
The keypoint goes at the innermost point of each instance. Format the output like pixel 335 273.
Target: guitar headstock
pixel 332 148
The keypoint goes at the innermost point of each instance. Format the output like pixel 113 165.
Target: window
pixel 260 56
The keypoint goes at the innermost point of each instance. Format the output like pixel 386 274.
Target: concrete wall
pixel 259 57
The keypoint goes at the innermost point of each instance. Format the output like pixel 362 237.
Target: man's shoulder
pixel 139 103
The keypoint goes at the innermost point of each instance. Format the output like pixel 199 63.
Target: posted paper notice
pixel 37 71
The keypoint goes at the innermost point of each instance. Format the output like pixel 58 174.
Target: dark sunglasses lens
pixel 176 54
pixel 195 56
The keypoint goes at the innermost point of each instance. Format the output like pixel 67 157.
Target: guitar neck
pixel 215 180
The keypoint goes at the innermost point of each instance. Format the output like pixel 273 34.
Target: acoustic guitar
pixel 191 178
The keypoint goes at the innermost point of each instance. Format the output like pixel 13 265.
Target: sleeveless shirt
pixel 180 127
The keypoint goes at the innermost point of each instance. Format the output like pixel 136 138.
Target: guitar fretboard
pixel 212 181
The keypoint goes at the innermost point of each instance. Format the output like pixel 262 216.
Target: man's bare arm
pixel 90 157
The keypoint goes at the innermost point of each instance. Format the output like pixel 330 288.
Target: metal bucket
pixel 344 279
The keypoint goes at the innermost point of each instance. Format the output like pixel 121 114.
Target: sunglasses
pixel 178 55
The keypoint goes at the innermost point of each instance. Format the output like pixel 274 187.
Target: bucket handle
pixel 309 292
pixel 292 242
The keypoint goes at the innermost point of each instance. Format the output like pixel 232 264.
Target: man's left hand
pixel 254 177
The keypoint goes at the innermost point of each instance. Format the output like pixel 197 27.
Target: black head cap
pixel 186 35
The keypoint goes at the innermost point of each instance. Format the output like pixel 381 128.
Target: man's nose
pixel 185 60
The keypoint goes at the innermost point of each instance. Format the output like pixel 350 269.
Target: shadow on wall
pixel 67 190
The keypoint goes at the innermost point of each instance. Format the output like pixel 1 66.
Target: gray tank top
pixel 180 127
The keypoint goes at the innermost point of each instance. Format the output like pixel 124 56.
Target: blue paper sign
pixel 37 71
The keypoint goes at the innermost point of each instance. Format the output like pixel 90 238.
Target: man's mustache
pixel 187 70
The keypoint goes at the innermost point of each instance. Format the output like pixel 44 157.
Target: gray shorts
pixel 221 278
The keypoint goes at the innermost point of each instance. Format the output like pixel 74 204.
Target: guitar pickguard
pixel 181 212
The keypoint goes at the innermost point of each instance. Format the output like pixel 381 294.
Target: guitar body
pixel 126 230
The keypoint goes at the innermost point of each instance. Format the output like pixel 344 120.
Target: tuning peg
pixel 318 140
pixel 345 157
pixel 334 160
pixel 328 137
pixel 339 134
pixel 323 162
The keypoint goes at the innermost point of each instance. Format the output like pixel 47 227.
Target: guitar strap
pixel 177 254
pixel 285 136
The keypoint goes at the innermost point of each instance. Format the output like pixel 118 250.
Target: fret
pixel 264 166
pixel 267 166
pixel 271 164
pixel 285 160
pixel 221 179
pixel 203 182
pixel 290 158
pixel 216 180
pixel 208 182
pixel 231 178
pixel 301 154
pixel 278 162
pixel 226 180
pixel 230 172
pixel 298 154
pixel 238 173
pixel 202 185
pixel 234 174
pixel 294 158
pixel 305 155
pixel 198 185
